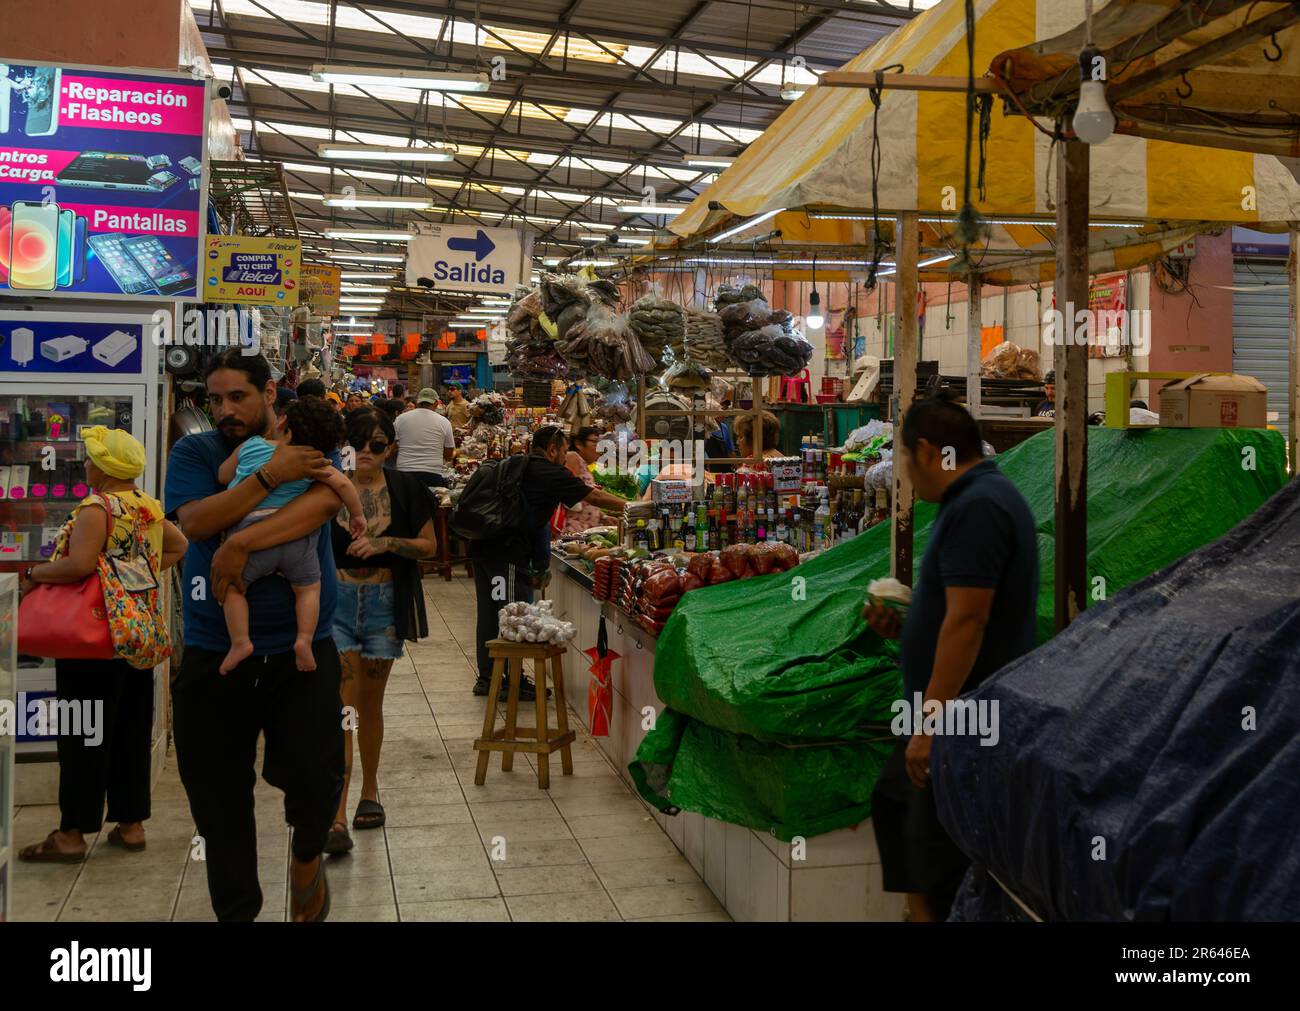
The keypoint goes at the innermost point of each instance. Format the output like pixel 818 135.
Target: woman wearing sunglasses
pixel 380 602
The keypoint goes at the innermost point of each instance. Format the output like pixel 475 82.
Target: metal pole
pixel 905 353
pixel 1071 363
pixel 974 331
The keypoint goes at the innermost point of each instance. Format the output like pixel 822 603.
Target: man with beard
pixel 218 717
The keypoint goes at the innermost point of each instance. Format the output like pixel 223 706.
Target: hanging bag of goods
pixel 659 324
pixel 761 339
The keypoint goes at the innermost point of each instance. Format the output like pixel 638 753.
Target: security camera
pixel 224 91
pixel 424 282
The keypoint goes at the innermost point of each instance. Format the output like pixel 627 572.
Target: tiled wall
pixel 835 876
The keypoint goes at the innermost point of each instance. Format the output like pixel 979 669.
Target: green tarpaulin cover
pixel 777 696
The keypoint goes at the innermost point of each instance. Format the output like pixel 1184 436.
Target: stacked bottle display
pixel 746 509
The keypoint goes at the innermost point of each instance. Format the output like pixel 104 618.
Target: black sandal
pixel 300 897
pixel 370 814
pixel 339 840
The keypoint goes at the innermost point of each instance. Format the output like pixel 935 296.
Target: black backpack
pixel 492 504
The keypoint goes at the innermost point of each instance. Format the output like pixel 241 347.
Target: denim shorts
pixel 365 622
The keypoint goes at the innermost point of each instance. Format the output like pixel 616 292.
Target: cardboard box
pixel 665 492
pixel 1214 401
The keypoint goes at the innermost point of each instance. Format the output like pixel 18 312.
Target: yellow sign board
pixel 320 288
pixel 254 271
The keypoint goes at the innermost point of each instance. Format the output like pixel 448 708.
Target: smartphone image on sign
pixel 5 215
pixel 166 272
pixel 43 102
pixel 63 257
pixel 33 250
pixel 79 251
pixel 119 263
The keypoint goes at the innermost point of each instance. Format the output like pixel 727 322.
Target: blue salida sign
pixel 465 257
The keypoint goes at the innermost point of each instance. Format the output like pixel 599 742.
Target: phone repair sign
pixel 252 271
pixel 466 258
pixel 103 182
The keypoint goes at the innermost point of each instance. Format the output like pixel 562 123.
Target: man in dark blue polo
pixel 972 612
pixel 218 717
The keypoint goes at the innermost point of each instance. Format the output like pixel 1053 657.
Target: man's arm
pixel 606 500
pixel 207 517
pixel 309 511
pixel 960 638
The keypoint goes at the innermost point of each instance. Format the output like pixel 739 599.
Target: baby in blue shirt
pixel 308 422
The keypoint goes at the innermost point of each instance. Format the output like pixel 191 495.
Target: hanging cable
pixel 969 225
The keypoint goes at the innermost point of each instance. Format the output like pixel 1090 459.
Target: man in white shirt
pixel 425 443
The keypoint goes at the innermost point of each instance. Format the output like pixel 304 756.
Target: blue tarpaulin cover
pixel 1149 760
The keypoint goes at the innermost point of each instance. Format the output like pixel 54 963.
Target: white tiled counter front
pixel 755 876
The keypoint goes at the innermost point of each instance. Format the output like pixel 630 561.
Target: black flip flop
pixel 370 814
pixel 338 842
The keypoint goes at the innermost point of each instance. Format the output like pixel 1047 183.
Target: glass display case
pixel 43 460
pixel 8 705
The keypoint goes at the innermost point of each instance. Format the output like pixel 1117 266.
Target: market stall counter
pixel 755 876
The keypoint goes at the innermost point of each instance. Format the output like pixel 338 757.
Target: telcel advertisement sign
pixel 102 181
pixel 254 271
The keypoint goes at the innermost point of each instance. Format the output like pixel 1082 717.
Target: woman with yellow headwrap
pixel 120 695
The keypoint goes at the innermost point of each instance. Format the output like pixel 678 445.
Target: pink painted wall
pixel 114 33
pixel 1179 321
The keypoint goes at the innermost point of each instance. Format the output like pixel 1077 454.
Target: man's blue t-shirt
pixel 191 475
pixel 984 536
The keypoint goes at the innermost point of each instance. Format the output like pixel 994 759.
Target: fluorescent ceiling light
pixel 744 225
pixel 551 261
pixel 464 325
pixel 593 263
pixel 791 91
pixel 375 235
pixel 435 151
pixel 363 287
pixel 399 77
pixel 495 300
pixel 365 275
pixel 665 209
pixel 369 257
pixel 708 160
pixel 357 200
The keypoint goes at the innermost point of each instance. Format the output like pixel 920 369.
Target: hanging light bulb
pixel 815 319
pixel 1093 120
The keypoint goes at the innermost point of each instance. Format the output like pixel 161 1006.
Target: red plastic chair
pixel 797 389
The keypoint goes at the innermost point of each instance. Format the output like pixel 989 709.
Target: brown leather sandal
pixel 47 852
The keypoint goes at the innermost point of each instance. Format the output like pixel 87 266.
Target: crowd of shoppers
pixel 304 586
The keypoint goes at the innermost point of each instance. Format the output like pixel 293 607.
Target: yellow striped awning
pixel 817 158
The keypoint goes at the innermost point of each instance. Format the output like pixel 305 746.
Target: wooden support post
pixel 974 332
pixel 905 355
pixel 1071 363
pixel 1293 394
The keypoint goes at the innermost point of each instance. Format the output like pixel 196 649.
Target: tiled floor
pixel 587 849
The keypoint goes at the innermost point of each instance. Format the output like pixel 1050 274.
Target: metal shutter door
pixel 1259 329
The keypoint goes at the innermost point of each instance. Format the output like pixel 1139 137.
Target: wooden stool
pixel 538 739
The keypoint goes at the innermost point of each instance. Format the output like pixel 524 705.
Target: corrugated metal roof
pixel 632 86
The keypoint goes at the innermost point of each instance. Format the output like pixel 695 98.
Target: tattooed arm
pixel 423 546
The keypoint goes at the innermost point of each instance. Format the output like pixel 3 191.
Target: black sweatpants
pixel 217 721
pixel 495 585
pixel 111 754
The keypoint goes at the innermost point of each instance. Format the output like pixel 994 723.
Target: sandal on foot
pixel 339 840
pixel 299 898
pixel 115 838
pixel 370 814
pixel 47 852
